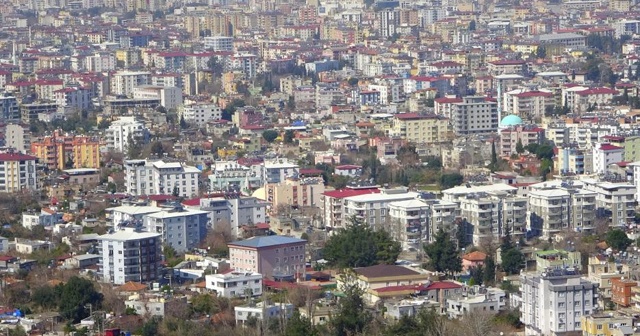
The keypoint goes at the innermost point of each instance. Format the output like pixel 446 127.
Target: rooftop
pixel 379 271
pixel 266 241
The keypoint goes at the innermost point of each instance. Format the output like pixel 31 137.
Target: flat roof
pixel 172 214
pixel 266 241
pixel 379 197
pixel 128 235
pixel 479 188
pixel 135 209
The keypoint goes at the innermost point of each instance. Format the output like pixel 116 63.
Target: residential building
pixel 420 129
pixel 571 160
pixel 557 207
pixel 125 131
pixel 384 276
pixel 372 209
pixel 554 302
pixel 144 177
pixel 479 299
pixel 528 104
pixel 571 40
pixel 200 114
pixel 17 172
pixel 474 115
pixel 417 221
pixel 155 304
pixel 18 137
pixel 9 109
pixel 489 210
pixel 333 205
pixel 605 324
pixel 473 259
pixel 27 246
pixel 275 257
pixel 45 217
pixel 605 154
pixel 276 171
pixel 128 255
pixel 614 200
pixel 61 151
pixel 123 82
pixel 126 215
pixel 511 136
pixel 262 311
pixel 621 291
pixel 296 192
pixel 603 272
pixel 234 284
pixel 557 259
pixel 225 174
pixel 182 229
pixel 218 43
pixel 230 211
pixel 73 99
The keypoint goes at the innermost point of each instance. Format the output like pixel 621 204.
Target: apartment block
pixel 59 150
pixel 200 114
pixel 226 174
pixel 511 136
pixel 144 177
pixel 230 211
pixel 333 204
pixel 372 209
pixel 415 222
pixel 182 229
pixel 297 192
pixel 234 284
pixel 420 129
pixel 275 257
pixel 614 200
pixel 129 256
pixel 17 172
pixel 474 115
pixel 605 324
pixel 555 301
pixel 125 130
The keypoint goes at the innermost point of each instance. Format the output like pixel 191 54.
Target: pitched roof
pixel 343 193
pixel 475 256
pixel 16 157
pixel 378 271
pixel 132 287
pixel 443 285
pixel 266 241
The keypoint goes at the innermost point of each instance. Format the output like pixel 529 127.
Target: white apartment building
pixel 123 82
pixel 605 154
pixel 231 173
pixel 125 130
pixel 276 171
pixel 554 301
pixel 200 114
pixel 613 200
pixel 18 137
pixel 372 209
pixel 478 300
pixel 235 284
pixel 100 62
pixel 218 43
pixel 44 217
pixel 143 177
pixel 415 222
pixel 128 214
pixel 232 210
pixel 169 96
pixel 17 172
pixel 332 205
pixel 180 228
pixel 474 115
pixel 72 98
pixel 247 63
pixel 489 210
pixel 558 206
pixel 263 311
pixel 636 178
pixel 129 256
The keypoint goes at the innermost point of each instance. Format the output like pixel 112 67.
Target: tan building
pixel 59 151
pixel 296 192
pixel 420 129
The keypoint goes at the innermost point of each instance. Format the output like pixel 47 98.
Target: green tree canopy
pixel 75 295
pixel 489 276
pixel 450 180
pixel 270 135
pixel 443 254
pixel 618 240
pixel 351 318
pixel 359 246
pixel 300 326
pixel 289 135
pixel 512 261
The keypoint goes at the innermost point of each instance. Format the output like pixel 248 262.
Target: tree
pixel 450 180
pixel 157 148
pixel 270 135
pixel 300 326
pixel 618 240
pixel 541 52
pixel 512 261
pixel 477 274
pixel 183 123
pixel 443 254
pixel 75 295
pixel 494 158
pixel 472 25
pixel 288 136
pixel 351 317
pixel 519 147
pixel 489 275
pixel 359 246
pixel 353 81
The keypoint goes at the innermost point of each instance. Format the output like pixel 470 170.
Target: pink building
pixel 473 259
pixel 275 257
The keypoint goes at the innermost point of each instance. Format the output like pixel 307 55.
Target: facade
pixel 123 82
pixel 605 154
pixel 417 221
pixel 373 209
pixel 155 304
pixel 621 291
pixel 180 228
pixel 59 150
pixel 200 114
pixel 303 192
pixel 263 311
pixel 614 200
pixel 45 217
pixel 510 136
pixel 129 256
pixel 17 137
pixel 143 177
pixel 420 129
pixel 277 171
pixel 333 204
pixel 125 130
pixel 277 257
pixel 474 115
pixel 554 302
pixel 170 96
pixel 231 210
pixel 225 174
pixel 606 325
pixel 556 208
pixel 218 43
pixel 18 172
pixel 234 284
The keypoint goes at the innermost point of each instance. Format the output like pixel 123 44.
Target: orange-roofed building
pixel 473 259
pixel 58 149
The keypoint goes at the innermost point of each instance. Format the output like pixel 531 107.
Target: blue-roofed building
pixel 275 257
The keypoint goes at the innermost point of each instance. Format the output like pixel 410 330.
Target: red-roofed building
pixel 442 106
pixel 420 128
pixel 444 67
pixel 333 207
pixel 580 99
pixel 605 154
pixel 529 104
pixel 518 67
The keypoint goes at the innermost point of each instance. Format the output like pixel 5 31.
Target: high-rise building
pixel 416 221
pixel 129 255
pixel 17 172
pixel 474 115
pixel 143 177
pixel 125 130
pixel 554 301
pixel 182 229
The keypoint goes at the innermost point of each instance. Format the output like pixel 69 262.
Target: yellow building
pixel 420 129
pixel 224 153
pixel 298 192
pixel 604 324
pixel 58 150
pixel 247 144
